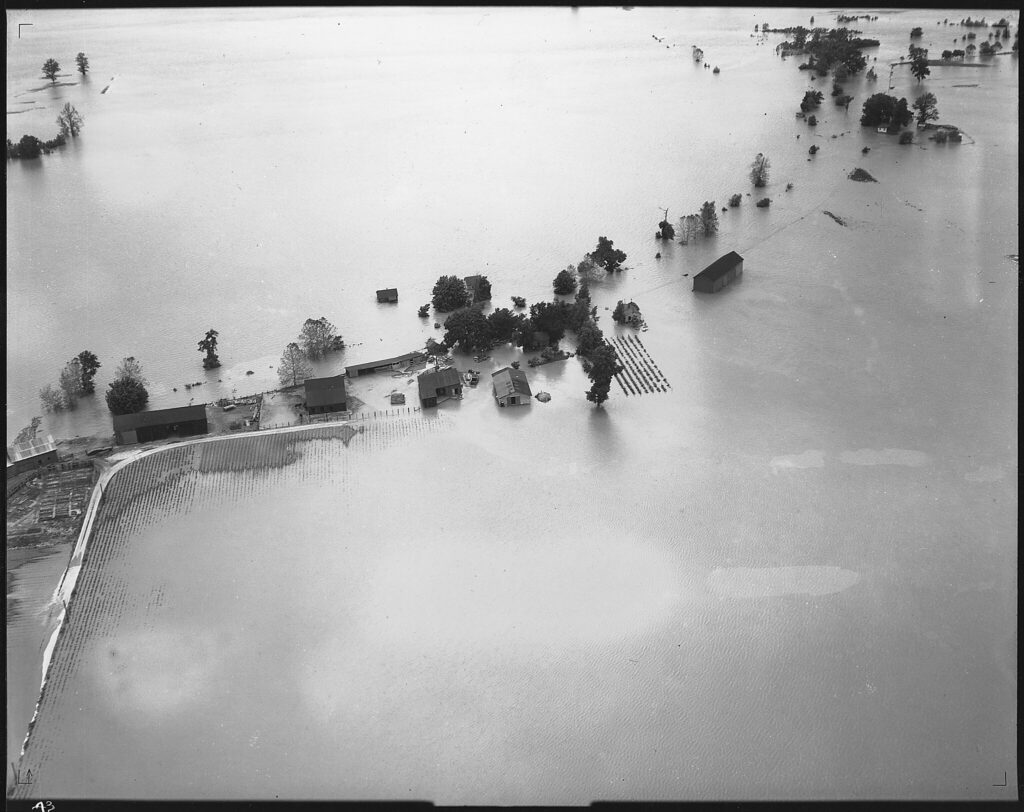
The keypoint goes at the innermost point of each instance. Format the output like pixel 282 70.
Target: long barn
pixel 159 424
pixel 719 273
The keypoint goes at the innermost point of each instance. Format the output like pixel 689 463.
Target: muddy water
pixel 791 576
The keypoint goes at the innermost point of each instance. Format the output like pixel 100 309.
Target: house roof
pixel 30 448
pixel 430 381
pixel 158 417
pixel 387 293
pixel 508 381
pixel 721 266
pixel 409 356
pixel 325 391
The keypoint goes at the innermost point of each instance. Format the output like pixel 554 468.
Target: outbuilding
pixel 30 455
pixel 324 395
pixel 437 385
pixel 719 273
pixel 511 388
pixel 387 295
pixel 385 364
pixel 475 286
pixel 159 424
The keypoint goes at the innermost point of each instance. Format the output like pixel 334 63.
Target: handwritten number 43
pixel 44 806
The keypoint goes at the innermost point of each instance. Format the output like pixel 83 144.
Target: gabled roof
pixel 432 380
pixel 325 391
pixel 158 417
pixel 30 448
pixel 398 359
pixel 508 381
pixel 721 266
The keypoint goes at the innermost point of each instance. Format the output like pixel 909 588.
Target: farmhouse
pixel 719 273
pixel 387 295
pixel 473 285
pixel 385 365
pixel 511 387
pixel 30 455
pixel 631 314
pixel 324 395
pixel 437 385
pixel 159 424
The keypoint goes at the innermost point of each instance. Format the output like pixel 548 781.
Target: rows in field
pixel 640 375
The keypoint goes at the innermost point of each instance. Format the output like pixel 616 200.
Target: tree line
pixel 69 120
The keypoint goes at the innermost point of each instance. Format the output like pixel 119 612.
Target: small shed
pixel 325 395
pixel 159 424
pixel 387 295
pixel 719 273
pixel 30 455
pixel 437 385
pixel 511 387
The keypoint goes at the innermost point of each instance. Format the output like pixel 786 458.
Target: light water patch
pixel 553 590
pixel 809 459
pixel 774 582
pixel 885 456
pixel 984 473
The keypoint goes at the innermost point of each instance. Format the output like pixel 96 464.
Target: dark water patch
pixel 15 112
pixel 839 220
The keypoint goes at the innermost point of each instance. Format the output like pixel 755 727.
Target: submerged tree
pixel 126 396
pixel 565 281
pixel 607 256
pixel 295 366
pixel 759 170
pixel 450 293
pixel 709 218
pixel 919 67
pixel 469 329
pixel 318 337
pixel 51 398
pixel 71 382
pixel 83 63
pixel 70 121
pixel 51 67
pixel 89 363
pixel 666 232
pixel 926 107
pixel 811 99
pixel 604 366
pixel 209 346
pixel 130 369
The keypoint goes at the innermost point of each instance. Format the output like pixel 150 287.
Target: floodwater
pixel 791 576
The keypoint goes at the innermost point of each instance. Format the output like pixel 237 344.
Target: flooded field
pixel 779 564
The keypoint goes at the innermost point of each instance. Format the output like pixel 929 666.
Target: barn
pixel 387 295
pixel 159 424
pixel 385 364
pixel 325 395
pixel 719 273
pixel 437 385
pixel 30 455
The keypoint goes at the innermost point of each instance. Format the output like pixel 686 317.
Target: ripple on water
pixel 774 582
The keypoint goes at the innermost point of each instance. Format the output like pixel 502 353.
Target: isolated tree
pixel 317 337
pixel 759 170
pixel 295 366
pixel 130 369
pixel 51 398
pixel 126 396
pixel 919 67
pixel 709 218
pixel 915 33
pixel 70 121
pixel 71 382
pixel 519 301
pixel 424 311
pixel 83 63
pixel 882 109
pixel 735 200
pixel 565 282
pixel 666 230
pixel 450 293
pixel 468 329
pixel 607 256
pixel 209 346
pixel 50 69
pixel 927 109
pixel 603 368
pixel 89 364
pixel 690 228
